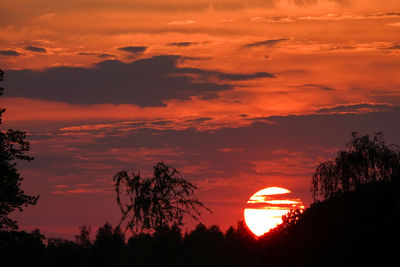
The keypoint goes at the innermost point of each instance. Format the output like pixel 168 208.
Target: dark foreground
pixel 353 229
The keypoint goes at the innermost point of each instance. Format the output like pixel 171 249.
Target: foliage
pixel 289 221
pixel 19 248
pixel 83 239
pixel 107 233
pixel 108 245
pixel 367 160
pixel 153 203
pixel 12 147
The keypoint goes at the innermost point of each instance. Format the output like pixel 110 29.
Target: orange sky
pixel 239 95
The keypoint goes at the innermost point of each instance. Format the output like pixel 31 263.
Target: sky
pixel 238 95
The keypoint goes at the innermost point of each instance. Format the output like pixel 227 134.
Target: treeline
pixel 204 246
pixel 355 228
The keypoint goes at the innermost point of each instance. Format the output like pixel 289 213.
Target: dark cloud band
pixel 133 49
pixel 9 53
pixel 144 82
pixel 266 43
pixel 36 49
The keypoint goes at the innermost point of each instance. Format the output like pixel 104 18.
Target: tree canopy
pixel 366 160
pixel 156 202
pixel 12 147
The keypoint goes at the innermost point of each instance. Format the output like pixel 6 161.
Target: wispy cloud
pixel 85 191
pixel 313 86
pixel 9 53
pixel 392 47
pixel 352 16
pixel 180 22
pixel 36 49
pixel 266 43
pixel 98 54
pixel 231 149
pixel 273 19
pixel 184 44
pixel 134 50
pixel 47 16
pixel 358 108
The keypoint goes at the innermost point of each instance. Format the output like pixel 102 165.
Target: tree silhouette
pixel 367 159
pixel 108 245
pixel 156 202
pixel 83 238
pixel 12 147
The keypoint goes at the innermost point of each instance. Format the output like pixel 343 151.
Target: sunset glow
pixel 273 203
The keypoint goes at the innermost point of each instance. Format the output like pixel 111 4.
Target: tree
pixel 83 238
pixel 12 147
pixel 160 201
pixel 367 160
pixel 107 247
pixel 107 234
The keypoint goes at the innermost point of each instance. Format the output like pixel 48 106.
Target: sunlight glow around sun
pixel 266 207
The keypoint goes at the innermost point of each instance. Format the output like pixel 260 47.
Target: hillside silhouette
pixel 353 229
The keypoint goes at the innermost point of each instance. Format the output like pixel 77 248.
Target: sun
pixel 265 208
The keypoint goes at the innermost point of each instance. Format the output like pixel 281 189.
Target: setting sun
pixel 266 207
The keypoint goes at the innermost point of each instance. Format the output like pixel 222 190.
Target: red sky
pixel 237 95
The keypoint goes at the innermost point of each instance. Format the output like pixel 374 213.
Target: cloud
pixel 47 16
pixel 242 77
pixel 105 55
pixel 87 54
pixel 208 74
pixel 144 82
pixel 134 50
pixel 181 22
pixel 266 43
pixel 383 15
pixel 392 47
pixel 313 86
pixel 394 24
pixel 338 47
pixel 305 2
pixel 230 149
pixel 100 55
pixel 355 108
pixel 224 152
pixel 89 188
pixel 36 49
pixel 9 53
pixel 273 19
pixel 352 16
pixel 182 44
pixel 199 120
